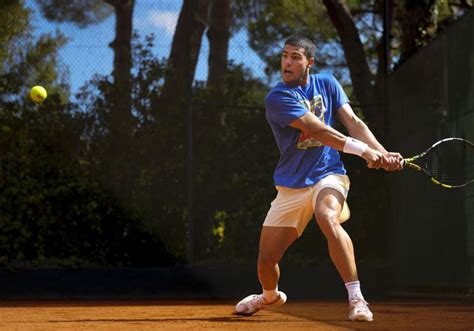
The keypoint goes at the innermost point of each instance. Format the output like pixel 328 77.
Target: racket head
pixel 449 162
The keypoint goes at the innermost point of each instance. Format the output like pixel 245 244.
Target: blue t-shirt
pixel 304 160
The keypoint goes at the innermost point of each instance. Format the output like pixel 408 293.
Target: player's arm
pixel 310 125
pixel 359 130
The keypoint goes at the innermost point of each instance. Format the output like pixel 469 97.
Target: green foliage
pixel 71 195
pixel 54 211
pixel 57 207
pixel 25 62
pixel 13 24
pixel 80 12
pixel 270 22
pixel 234 158
pixel 229 188
pixel 278 19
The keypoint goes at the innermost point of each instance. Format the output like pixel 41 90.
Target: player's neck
pixel 303 81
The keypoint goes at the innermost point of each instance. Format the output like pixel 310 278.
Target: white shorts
pixel 294 207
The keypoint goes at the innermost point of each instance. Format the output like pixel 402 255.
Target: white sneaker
pixel 359 311
pixel 253 303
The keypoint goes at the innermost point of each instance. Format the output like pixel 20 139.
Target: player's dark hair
pixel 303 42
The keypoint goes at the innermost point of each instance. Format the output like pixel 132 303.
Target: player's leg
pixel 328 208
pixel 327 211
pixel 288 216
pixel 274 241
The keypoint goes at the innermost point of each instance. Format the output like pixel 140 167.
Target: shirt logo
pixel 316 106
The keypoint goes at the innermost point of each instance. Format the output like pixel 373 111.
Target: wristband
pixel 354 146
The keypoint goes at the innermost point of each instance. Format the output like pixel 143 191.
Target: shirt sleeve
pixel 339 97
pixel 282 108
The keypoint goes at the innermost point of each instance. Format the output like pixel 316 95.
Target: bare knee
pixel 328 222
pixel 274 241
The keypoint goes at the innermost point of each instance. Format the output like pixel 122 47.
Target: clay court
pixel 207 314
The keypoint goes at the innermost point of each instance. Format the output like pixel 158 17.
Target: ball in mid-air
pixel 38 93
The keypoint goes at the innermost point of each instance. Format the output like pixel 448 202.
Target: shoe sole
pixel 281 300
pixel 361 319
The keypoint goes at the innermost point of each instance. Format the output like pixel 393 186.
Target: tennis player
pixel 310 177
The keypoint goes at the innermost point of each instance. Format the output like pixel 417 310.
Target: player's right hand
pixel 395 161
pixel 375 159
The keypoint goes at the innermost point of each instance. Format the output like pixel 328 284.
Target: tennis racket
pixel 448 163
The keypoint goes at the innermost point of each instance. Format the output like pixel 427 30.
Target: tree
pixel 13 25
pixel 55 209
pixel 351 41
pixel 338 36
pixel 88 12
pixel 119 120
pixel 81 12
pixel 269 22
pixel 367 90
pixel 122 61
pixel 185 50
pixel 218 35
pixel 350 35
pixel 418 23
pixel 21 54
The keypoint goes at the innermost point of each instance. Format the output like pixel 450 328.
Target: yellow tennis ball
pixel 38 93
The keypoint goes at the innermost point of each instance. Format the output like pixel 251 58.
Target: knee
pixel 328 222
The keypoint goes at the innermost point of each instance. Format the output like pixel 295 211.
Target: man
pixel 310 177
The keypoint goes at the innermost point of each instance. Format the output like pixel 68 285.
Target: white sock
pixel 270 295
pixel 353 290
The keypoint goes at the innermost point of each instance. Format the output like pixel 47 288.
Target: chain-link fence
pixel 431 99
pixel 88 52
pixel 143 152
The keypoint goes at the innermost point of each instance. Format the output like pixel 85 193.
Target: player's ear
pixel 310 62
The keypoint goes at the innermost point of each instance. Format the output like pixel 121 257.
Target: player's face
pixel 295 65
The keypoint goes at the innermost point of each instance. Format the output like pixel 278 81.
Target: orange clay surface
pixel 217 315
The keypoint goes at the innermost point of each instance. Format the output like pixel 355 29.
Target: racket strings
pixel 451 162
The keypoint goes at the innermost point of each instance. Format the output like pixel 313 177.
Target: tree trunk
pixel 418 21
pixel 384 44
pixel 120 120
pixel 218 35
pixel 185 51
pixel 363 81
pixel 122 55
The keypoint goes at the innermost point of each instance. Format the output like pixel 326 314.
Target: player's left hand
pixel 395 161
